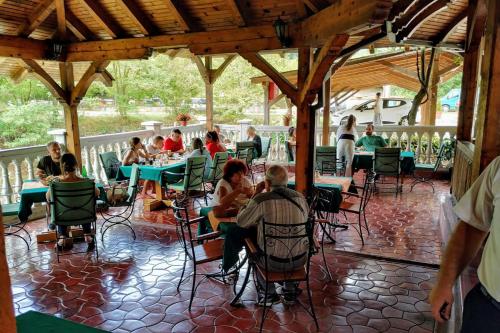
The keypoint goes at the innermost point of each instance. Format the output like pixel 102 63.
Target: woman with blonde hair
pixel 346 137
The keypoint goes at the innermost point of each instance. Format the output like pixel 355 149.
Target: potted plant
pixel 287 118
pixel 183 118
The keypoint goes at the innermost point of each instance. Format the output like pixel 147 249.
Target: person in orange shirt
pixel 174 142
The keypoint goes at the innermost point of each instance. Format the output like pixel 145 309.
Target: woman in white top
pixel 199 150
pixel 232 189
pixel 377 111
pixel 346 137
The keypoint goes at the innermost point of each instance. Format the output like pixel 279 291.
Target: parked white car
pixel 394 112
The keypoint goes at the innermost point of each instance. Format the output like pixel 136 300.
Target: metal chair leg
pixel 313 313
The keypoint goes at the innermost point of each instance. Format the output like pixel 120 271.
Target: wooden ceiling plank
pixel 61 20
pixel 419 19
pixel 237 12
pixel 39 14
pixel 447 31
pixel 78 27
pixel 184 22
pixel 399 69
pixel 136 14
pixel 100 15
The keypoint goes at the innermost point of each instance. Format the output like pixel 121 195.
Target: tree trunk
pixel 424 75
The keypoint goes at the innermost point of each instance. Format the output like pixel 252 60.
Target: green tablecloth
pixel 29 196
pixel 150 172
pixel 36 322
pixel 365 161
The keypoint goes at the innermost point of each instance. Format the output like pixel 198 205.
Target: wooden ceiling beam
pixel 399 69
pixel 447 31
pixel 39 14
pixel 237 13
pixel 409 13
pixel 301 9
pixel 92 72
pixel 418 20
pixel 106 78
pixel 18 47
pixel 215 74
pixel 46 79
pixel 311 6
pixel 101 16
pixel 477 16
pixel 136 14
pixel 77 27
pixel 20 74
pixel 61 20
pixel 201 68
pixel 400 8
pixel 283 84
pixel 350 17
pixel 182 19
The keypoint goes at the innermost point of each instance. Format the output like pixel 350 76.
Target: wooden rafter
pixel 77 27
pixel 185 22
pixel 409 13
pixel 301 9
pixel 311 6
pixel 399 69
pixel 86 80
pixel 260 63
pixel 106 78
pixel 20 74
pixel 422 16
pixel 350 17
pixel 101 16
pixel 39 14
pixel 322 64
pixel 237 13
pixel 477 17
pixel 444 34
pixel 61 19
pixel 18 47
pixel 201 68
pixel 215 74
pixel 46 79
pixel 136 14
pixel 400 8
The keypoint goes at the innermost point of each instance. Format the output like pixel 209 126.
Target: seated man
pixel 49 165
pixel 370 141
pixel 174 142
pixel 278 205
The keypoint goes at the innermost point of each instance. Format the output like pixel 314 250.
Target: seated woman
pixel 213 143
pixel 199 150
pixel 69 167
pixel 135 151
pixel 233 190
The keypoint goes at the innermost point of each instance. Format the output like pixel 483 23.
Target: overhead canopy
pixel 398 69
pixel 131 29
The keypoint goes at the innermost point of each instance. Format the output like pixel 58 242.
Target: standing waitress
pixel 346 137
pixel 377 111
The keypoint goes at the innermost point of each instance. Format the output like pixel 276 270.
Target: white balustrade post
pixel 29 165
pixel 97 165
pixel 243 128
pixel 86 156
pixel 59 136
pixel 18 184
pixel 154 126
pixel 429 148
pixel 5 191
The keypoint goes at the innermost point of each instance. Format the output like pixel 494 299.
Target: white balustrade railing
pixel 19 164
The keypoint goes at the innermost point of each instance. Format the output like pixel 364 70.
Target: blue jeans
pixel 480 315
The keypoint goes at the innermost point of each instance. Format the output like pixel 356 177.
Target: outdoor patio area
pixel 132 287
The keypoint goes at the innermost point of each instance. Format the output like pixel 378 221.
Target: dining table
pixel 155 173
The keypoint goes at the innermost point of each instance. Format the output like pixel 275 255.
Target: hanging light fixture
pixel 55 51
pixel 282 32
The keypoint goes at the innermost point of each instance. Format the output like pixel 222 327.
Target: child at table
pixel 69 167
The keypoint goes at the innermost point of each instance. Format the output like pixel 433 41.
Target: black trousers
pixel 480 314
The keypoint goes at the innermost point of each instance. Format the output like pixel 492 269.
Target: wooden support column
pixel 488 117
pixel 7 317
pixel 267 106
pixel 210 76
pixel 326 112
pixel 304 166
pixel 475 22
pixel 70 112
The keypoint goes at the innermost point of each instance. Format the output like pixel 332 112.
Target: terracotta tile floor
pixel 132 286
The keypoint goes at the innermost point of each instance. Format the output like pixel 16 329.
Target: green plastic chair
pixel 431 170
pixel 14 228
pixel 110 163
pixel 217 168
pixel 326 160
pixel 193 178
pixel 73 204
pixel 127 206
pixel 386 162
pixel 243 146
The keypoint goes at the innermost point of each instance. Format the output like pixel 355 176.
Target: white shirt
pixel 152 149
pixel 480 208
pixel 225 184
pixel 208 161
pixel 343 130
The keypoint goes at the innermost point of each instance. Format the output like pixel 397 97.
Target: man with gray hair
pixel 277 205
pixel 49 165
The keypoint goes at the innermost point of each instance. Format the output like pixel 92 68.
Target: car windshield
pixel 366 106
